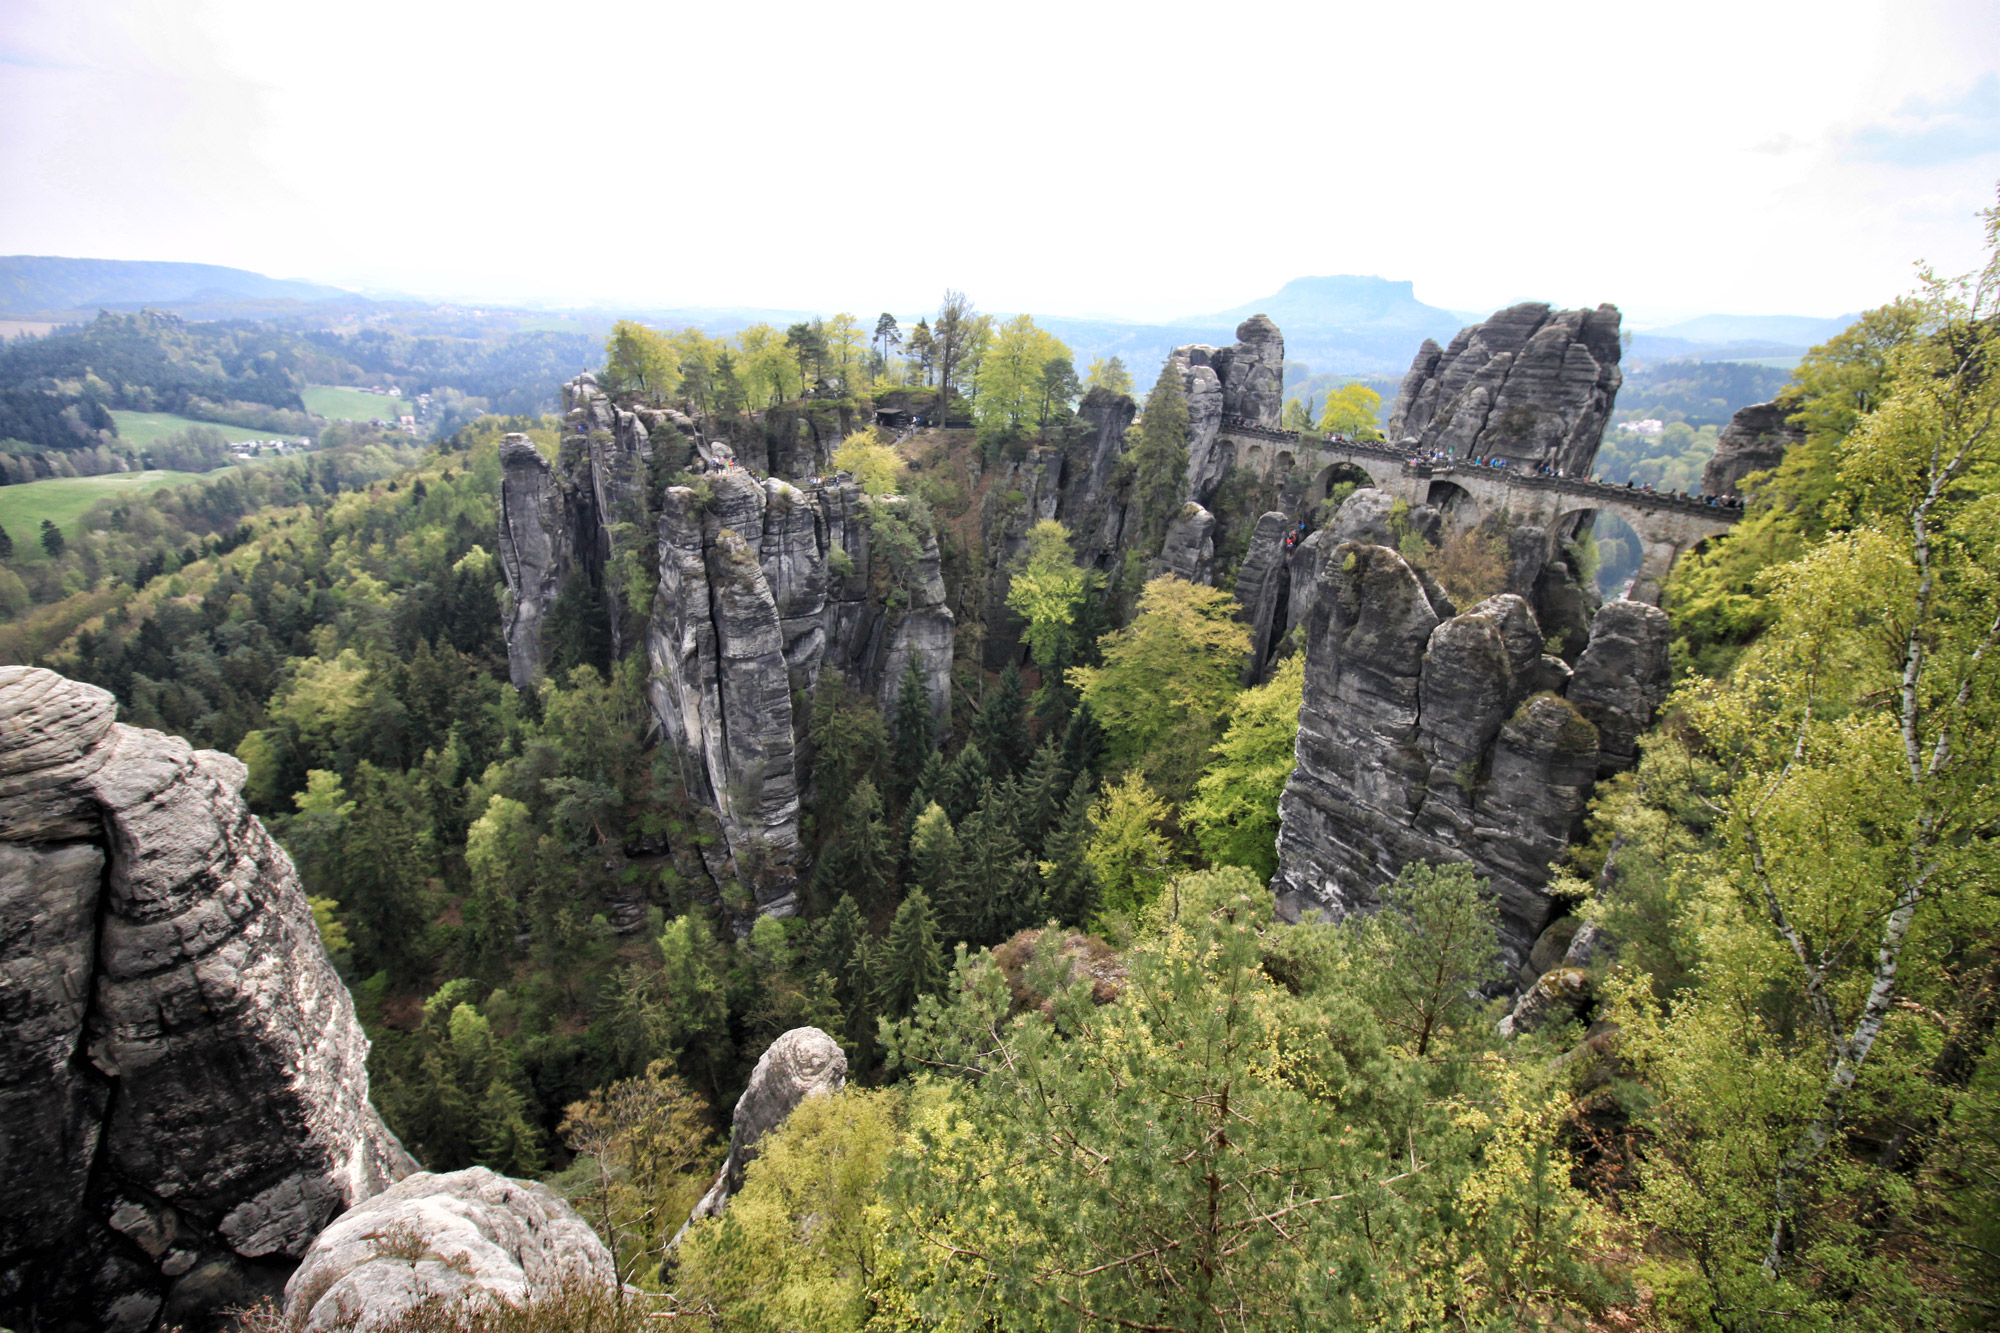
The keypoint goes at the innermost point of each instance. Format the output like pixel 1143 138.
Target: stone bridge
pixel 1667 526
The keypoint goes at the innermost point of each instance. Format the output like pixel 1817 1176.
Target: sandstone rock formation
pixel 802 1063
pixel 183 1087
pixel 761 585
pixel 1263 590
pixel 467 1235
pixel 1429 736
pixel 1531 384
pixel 1189 549
pixel 537 551
pixel 1246 380
pixel 1755 440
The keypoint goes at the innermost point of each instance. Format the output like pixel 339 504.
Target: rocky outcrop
pixel 1263 590
pixel 183 1085
pixel 1755 440
pixel 469 1237
pixel 1436 737
pixel 802 1063
pixel 538 540
pixel 1092 506
pixel 1189 550
pixel 1531 384
pixel 1246 380
pixel 761 586
pixel 1025 492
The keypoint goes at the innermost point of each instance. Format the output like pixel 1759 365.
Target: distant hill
pixel 1344 301
pixel 46 284
pixel 1782 330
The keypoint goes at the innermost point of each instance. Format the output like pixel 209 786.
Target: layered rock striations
pixel 183 1086
pixel 1437 737
pixel 801 1063
pixel 1246 380
pixel 1755 440
pixel 1531 385
pixel 763 585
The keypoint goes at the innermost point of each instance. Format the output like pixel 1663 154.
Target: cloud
pixel 1929 132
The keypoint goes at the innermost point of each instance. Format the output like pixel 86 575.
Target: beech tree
pixel 1110 375
pixel 1352 410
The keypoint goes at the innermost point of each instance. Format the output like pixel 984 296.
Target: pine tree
pixel 506 1142
pixel 933 783
pixel 991 892
pixel 1082 744
pixel 1041 791
pixel 912 963
pixel 6 545
pixel 1069 890
pixel 1000 732
pixel 835 935
pixel 915 740
pixel 52 539
pixel 859 858
pixel 934 849
pixel 965 783
pixel 1160 458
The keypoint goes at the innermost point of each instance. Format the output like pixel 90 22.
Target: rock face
pixel 1189 549
pixel 463 1235
pixel 1435 737
pixel 802 1063
pixel 537 551
pixel 183 1086
pixel 1531 384
pixel 1246 380
pixel 761 585
pixel 1755 440
pixel 1263 590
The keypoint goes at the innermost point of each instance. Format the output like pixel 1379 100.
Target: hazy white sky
pixel 1144 160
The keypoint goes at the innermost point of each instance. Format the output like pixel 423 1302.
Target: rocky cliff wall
pixel 1531 384
pixel 1246 380
pixel 1436 737
pixel 183 1087
pixel 1755 440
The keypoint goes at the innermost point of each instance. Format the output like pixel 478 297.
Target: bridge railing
pixel 1581 487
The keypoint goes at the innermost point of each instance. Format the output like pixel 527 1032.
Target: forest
pixel 1094 1080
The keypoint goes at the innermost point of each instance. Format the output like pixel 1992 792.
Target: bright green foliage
pixel 1234 815
pixel 1167 679
pixel 934 851
pixel 499 849
pixel 693 992
pixel 874 463
pixel 1841 913
pixel 1159 459
pixel 332 934
pixel 1352 410
pixel 1433 946
pixel 1212 1151
pixel 1715 595
pixel 1109 375
pixel 1128 856
pixel 801 1246
pixel 1013 378
pixel 912 961
pixel 644 1157
pixel 1046 592
pixel 640 360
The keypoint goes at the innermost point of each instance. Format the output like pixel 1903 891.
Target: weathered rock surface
pixel 1434 737
pixel 1092 506
pixel 1189 550
pixel 802 1063
pixel 753 602
pixel 1246 380
pixel 461 1236
pixel 1531 384
pixel 1263 590
pixel 1755 440
pixel 183 1086
pixel 537 551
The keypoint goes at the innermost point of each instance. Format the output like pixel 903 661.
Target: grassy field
pixel 63 499
pixel 336 404
pixel 140 429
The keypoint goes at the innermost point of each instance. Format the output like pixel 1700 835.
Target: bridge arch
pixel 1453 501
pixel 1339 473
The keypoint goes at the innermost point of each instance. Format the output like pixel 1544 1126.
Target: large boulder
pixel 183 1085
pixel 1755 440
pixel 1189 549
pixel 469 1237
pixel 1530 384
pixel 802 1063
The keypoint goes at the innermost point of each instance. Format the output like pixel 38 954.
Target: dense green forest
pixel 1094 1082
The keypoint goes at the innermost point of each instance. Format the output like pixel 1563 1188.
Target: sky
pixel 1088 157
